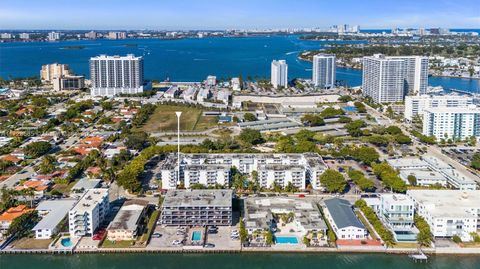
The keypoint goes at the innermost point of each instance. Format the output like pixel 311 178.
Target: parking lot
pixel 461 155
pixel 221 239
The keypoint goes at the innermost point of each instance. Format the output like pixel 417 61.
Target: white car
pixel 176 242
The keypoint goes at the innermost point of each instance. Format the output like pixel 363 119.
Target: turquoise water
pixel 350 109
pixel 234 261
pixel 286 240
pixel 66 242
pixel 196 236
pixel 187 59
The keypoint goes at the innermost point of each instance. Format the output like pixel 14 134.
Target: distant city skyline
pixel 247 14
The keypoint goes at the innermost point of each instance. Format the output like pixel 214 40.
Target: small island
pixel 73 47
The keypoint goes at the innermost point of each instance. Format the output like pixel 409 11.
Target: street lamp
pixel 178 113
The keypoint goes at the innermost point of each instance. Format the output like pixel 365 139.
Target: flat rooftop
pixel 128 216
pixel 56 211
pixel 448 203
pixel 90 199
pixel 259 212
pixel 195 198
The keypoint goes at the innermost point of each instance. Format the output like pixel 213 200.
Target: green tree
pixel 312 120
pixel 47 165
pixel 331 112
pixel 333 181
pixel 354 128
pixel 250 137
pixel 37 149
pixel 269 237
pixel 22 226
pixel 412 180
pixel 249 117
pixel 136 140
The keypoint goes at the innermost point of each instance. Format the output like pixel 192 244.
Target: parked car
pixel 209 245
pixel 176 242
pixel 156 235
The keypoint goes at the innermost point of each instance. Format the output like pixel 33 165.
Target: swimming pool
pixel 66 242
pixel 196 236
pixel 286 240
pixel 350 109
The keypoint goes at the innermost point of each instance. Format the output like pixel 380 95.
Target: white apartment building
pixel 88 213
pixel 415 105
pixel 457 123
pixel 24 36
pixel 211 81
pixel 5 36
pixel 324 70
pixel 51 71
pixel 345 224
pixel 282 175
pixel 211 169
pixel 53 36
pixel 52 213
pixel 117 35
pixel 430 170
pixel 449 212
pixel 113 75
pixel 396 211
pixel 207 175
pixel 389 79
pixel 279 77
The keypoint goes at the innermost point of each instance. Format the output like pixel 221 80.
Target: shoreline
pixel 347 250
pixel 359 69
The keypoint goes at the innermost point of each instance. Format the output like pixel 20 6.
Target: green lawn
pixel 30 243
pixel 367 225
pixel 117 244
pixel 165 120
pixel 151 223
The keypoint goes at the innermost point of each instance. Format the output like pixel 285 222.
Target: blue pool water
pixel 196 236
pixel 66 242
pixel 350 109
pixel 286 240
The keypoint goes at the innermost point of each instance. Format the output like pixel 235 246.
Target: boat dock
pixel 420 257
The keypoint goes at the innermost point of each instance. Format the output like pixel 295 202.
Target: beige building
pixel 55 70
pixel 129 221
pixel 68 83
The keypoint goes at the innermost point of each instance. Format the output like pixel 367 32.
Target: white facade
pixel 324 70
pixel 88 213
pixel 53 36
pixel 211 81
pixel 24 36
pixel 280 168
pixel 279 77
pixel 389 79
pixel 415 105
pixel 452 123
pixel 339 213
pixel 449 212
pixel 207 175
pixel 430 170
pixel 113 75
pixel 282 175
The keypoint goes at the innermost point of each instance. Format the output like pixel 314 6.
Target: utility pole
pixel 178 113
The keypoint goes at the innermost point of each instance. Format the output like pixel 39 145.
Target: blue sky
pixel 227 14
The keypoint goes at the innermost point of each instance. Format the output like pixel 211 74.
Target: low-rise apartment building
pixel 340 215
pixel 129 221
pixel 449 212
pixel 297 169
pixel 396 211
pixel 259 214
pixel 429 170
pixel 88 213
pixel 52 213
pixel 416 104
pixel 197 208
